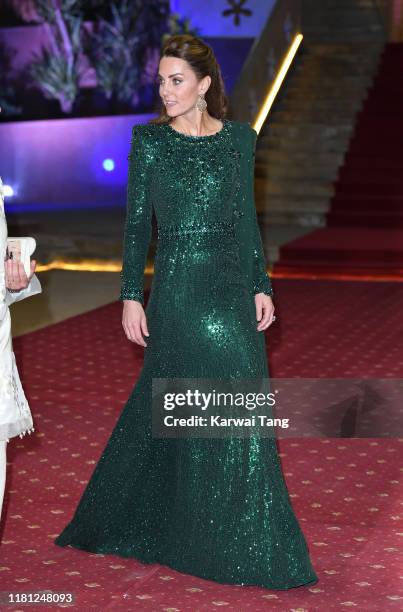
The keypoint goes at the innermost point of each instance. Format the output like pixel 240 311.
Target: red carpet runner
pixel 78 375
pixel 364 233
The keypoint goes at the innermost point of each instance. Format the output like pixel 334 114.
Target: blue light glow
pixel 8 191
pixel 108 165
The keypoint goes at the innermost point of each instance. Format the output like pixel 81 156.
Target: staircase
pixel 303 143
pixel 369 189
pixel 364 232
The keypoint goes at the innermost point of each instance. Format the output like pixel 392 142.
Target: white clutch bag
pixel 21 249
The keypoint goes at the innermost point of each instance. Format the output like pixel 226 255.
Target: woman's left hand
pixel 264 310
pixel 15 275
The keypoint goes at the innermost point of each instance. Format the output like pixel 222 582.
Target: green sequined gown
pixel 214 508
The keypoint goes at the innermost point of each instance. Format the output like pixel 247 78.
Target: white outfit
pixel 15 414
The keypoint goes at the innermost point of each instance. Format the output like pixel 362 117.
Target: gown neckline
pixel 205 137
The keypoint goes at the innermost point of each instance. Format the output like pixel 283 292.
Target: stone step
pixel 283 234
pixel 336 33
pixel 357 34
pixel 291 188
pixel 327 142
pixel 317 52
pixel 359 55
pixel 313 107
pixel 309 88
pixel 293 172
pixel 319 104
pixel 348 47
pixel 332 52
pixel 349 72
pixel 270 156
pixel 301 216
pixel 328 97
pixel 349 79
pixel 307 133
pixel 287 205
pixel 348 58
pixel 303 219
pixel 326 117
pixel 347 10
pixel 358 77
pixel 272 254
pixel 339 17
pixel 309 145
pixel 342 30
pixel 314 93
pixel 308 130
pixel 304 164
pixel 309 223
pixel 296 203
pixel 347 4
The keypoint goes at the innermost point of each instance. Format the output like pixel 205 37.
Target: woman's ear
pixel 206 83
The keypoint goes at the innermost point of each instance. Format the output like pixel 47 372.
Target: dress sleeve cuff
pixel 128 292
pixel 263 286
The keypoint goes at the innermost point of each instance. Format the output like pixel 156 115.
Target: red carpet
pixel 364 232
pixel 346 493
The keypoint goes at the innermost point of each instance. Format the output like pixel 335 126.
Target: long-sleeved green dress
pixel 214 508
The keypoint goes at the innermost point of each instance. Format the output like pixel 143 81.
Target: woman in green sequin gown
pixel 214 508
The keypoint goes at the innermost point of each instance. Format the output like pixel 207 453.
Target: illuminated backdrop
pixel 67 162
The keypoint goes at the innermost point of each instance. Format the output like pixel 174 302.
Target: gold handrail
pixel 275 86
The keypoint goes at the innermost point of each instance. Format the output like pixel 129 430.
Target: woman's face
pixel 178 86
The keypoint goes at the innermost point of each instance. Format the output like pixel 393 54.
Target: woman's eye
pixel 176 81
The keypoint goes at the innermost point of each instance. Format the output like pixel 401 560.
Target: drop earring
pixel 201 103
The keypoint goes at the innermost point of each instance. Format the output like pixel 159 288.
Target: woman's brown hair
pixel 202 61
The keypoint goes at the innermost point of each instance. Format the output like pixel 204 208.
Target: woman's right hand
pixel 134 322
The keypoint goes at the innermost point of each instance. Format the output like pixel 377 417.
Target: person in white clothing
pixel 15 285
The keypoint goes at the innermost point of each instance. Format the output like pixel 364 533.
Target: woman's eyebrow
pixel 171 75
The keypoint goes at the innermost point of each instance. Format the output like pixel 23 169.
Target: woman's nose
pixel 165 90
